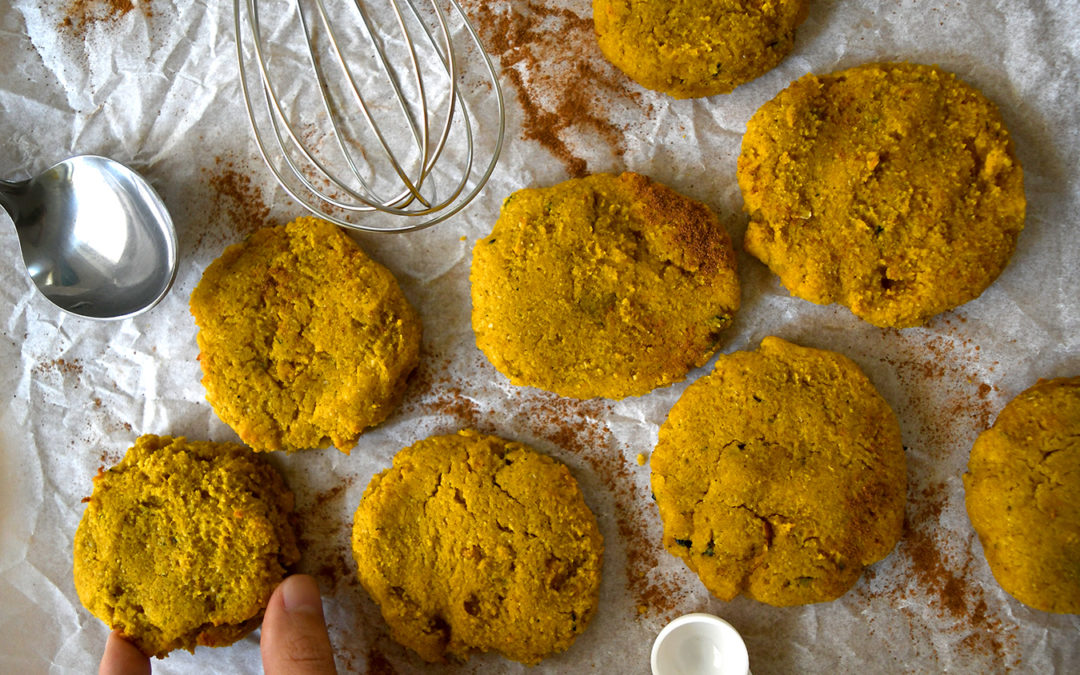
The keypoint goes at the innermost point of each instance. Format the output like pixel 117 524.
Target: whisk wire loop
pixel 420 139
pixel 413 148
pixel 273 104
pixel 326 106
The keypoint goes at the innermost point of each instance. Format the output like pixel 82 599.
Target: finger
pixel 123 658
pixel 294 637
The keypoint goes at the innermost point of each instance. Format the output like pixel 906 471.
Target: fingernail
pixel 300 594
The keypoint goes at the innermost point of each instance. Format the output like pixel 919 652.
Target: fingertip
pixel 300 593
pixel 294 637
pixel 123 658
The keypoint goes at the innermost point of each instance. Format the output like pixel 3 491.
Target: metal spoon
pixel 95 237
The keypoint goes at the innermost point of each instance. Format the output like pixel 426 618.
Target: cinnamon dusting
pixel 378 664
pixel 80 15
pixel 324 537
pixel 62 367
pixel 566 88
pixel 954 596
pixel 953 365
pixel 236 206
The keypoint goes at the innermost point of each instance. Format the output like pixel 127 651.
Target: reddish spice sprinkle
pixel 81 14
pixel 565 86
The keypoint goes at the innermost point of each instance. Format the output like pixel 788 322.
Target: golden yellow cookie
pixel 473 543
pixel 780 475
pixel 1022 491
pixel 602 286
pixel 304 340
pixel 183 542
pixel 890 188
pixel 689 48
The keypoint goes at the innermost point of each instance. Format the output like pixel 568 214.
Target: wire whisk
pixel 361 107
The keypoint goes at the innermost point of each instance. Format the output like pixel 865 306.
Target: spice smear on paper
pixel 237 204
pixel 61 366
pixel 324 528
pixel 950 370
pixel 324 537
pixel 952 364
pixel 578 427
pixel 378 664
pixel 953 594
pixel 79 15
pixel 567 89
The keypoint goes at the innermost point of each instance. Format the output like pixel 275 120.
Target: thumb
pixel 123 658
pixel 294 637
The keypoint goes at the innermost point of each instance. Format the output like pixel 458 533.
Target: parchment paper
pixel 154 85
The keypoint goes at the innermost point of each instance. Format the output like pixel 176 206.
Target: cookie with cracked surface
pixel 304 340
pixel 602 286
pixel 1022 492
pixel 780 475
pixel 473 543
pixel 182 543
pixel 890 188
pixel 691 48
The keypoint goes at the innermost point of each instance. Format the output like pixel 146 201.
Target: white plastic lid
pixel 699 644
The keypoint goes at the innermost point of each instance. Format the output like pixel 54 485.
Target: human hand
pixel 294 636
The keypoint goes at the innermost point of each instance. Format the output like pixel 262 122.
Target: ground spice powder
pixel 947 582
pixel 567 90
pixel 71 367
pixel 237 207
pixel 79 15
pixel 950 403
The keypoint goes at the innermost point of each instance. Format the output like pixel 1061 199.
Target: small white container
pixel 699 644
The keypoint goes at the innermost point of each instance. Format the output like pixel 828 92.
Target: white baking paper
pixel 154 84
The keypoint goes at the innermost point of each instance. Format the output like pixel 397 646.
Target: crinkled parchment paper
pixel 153 84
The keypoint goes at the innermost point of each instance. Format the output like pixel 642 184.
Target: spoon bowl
pixel 96 239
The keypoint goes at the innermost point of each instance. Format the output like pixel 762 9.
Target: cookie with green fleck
pixel 780 475
pixel 700 48
pixel 1022 492
pixel 890 188
pixel 183 542
pixel 473 543
pixel 605 286
pixel 303 339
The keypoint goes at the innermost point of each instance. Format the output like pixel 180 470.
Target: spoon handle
pixel 10 191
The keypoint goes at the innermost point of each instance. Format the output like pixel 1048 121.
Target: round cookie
pixel 700 48
pixel 304 340
pixel 890 188
pixel 780 475
pixel 472 543
pixel 183 542
pixel 1022 492
pixel 602 286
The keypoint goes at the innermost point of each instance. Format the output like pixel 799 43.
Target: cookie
pixel 602 286
pixel 473 543
pixel 890 188
pixel 304 340
pixel 780 475
pixel 183 542
pixel 1022 492
pixel 691 49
